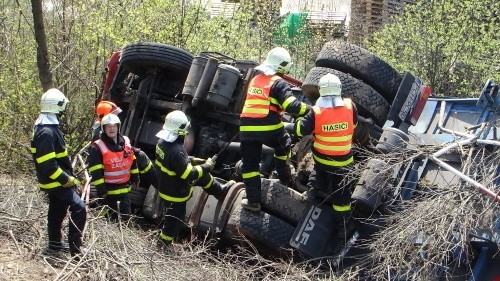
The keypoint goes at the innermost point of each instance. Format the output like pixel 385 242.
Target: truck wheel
pixel 302 148
pixel 139 57
pixel 282 202
pixel 137 196
pixel 369 102
pixel 361 64
pixel 263 228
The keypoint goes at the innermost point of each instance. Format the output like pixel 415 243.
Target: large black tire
pixel 282 202
pixel 263 228
pixel 361 64
pixel 137 196
pixel 139 57
pixel 370 103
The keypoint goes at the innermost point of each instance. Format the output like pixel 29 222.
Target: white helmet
pixel 110 119
pixel 329 85
pixel 53 101
pixel 278 61
pixel 176 122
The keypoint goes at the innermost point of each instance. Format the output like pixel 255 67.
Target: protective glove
pixel 208 165
pixel 196 160
pixel 72 181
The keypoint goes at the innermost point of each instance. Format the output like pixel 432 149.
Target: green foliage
pixel 81 34
pixel 451 44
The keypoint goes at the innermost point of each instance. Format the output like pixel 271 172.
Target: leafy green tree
pixel 451 44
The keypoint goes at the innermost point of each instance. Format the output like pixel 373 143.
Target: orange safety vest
pixel 116 164
pixel 257 102
pixel 333 129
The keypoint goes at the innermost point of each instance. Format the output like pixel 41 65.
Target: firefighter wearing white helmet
pixel 178 173
pixel 113 167
pixel 331 122
pixel 53 101
pixel 267 96
pixel 55 174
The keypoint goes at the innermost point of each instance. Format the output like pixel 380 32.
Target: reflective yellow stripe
pixel 257 102
pixel 332 148
pixel 333 163
pixel 134 171
pixel 147 168
pixel 334 139
pixel 119 191
pixel 255 110
pixel 280 157
pixel 261 128
pixel 99 181
pixel 297 128
pixel 57 173
pixel 288 101
pixel 33 150
pixel 250 175
pixel 188 170
pixel 62 154
pixel 209 182
pixel 275 102
pixel 176 199
pixel 165 170
pixel 166 237
pixel 344 208
pixel 96 167
pixel 49 185
pixel 46 157
pixel 303 109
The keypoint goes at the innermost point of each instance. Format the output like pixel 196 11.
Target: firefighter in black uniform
pixel 55 174
pixel 332 122
pixel 147 170
pixel 113 167
pixel 178 172
pixel 260 123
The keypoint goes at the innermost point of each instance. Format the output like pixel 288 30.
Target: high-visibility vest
pixel 258 103
pixel 333 129
pixel 116 164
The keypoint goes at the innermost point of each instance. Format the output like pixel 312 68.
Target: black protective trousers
pixel 125 207
pixel 60 201
pixel 331 183
pixel 176 211
pixel 251 153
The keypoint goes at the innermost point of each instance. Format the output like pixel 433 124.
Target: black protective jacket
pixel 279 93
pixel 52 163
pixel 176 174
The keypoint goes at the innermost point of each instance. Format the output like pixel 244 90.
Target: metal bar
pixel 453 145
pixel 492 142
pixel 477 185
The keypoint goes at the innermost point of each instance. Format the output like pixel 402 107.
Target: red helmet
pixel 105 107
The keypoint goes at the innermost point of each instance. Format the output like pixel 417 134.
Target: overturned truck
pixel 398 116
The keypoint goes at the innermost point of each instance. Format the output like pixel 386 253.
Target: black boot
pixel 346 225
pixel 219 190
pixel 75 247
pixel 55 241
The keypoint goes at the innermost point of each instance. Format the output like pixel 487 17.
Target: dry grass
pixel 120 253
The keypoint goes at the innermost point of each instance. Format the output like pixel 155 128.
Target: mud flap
pixel 313 231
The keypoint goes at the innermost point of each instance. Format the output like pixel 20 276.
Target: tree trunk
pixel 42 56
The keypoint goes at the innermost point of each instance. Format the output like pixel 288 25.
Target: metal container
pixel 223 86
pixel 194 75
